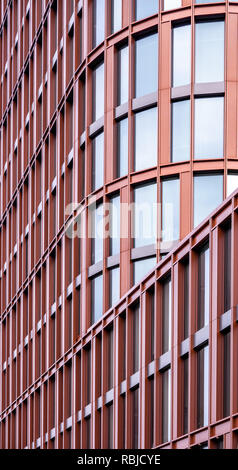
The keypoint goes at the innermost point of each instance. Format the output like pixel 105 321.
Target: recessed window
pixel 116 15
pixel 145 209
pixel 209 53
pixel 135 338
pixel 98 161
pixel 97 297
pixel 166 315
pixel 202 386
pixel 227 268
pixel 232 182
pixel 203 287
pixel 181 55
pixel 97 234
pixel 208 194
pixel 98 21
pixel 114 291
pixel 226 372
pixel 185 300
pixel 170 209
pixel 114 225
pixel 171 4
pixel 166 405
pixel 123 75
pixel 142 267
pixel 181 130
pixel 98 92
pixel 122 147
pixel 145 8
pixel 209 127
pixel 146 62
pixel 146 139
pixel 185 395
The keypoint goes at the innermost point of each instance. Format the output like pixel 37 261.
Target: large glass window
pixel 122 147
pixel 180 130
pixel 98 92
pixel 97 297
pixel 98 21
pixel 202 387
pixel 116 15
pixel 209 53
pixel 209 127
pixel 98 161
pixel 232 182
pixel 142 267
pixel 146 62
pixel 145 209
pixel 114 276
pixel 146 139
pixel 170 209
pixel 145 8
pixel 114 225
pixel 181 55
pixel 166 315
pixel 170 4
pixel 208 194
pixel 203 287
pixel 123 75
pixel 97 234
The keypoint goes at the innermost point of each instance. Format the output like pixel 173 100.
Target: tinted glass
pixel 114 225
pixel 98 21
pixel 166 405
pixel 145 8
pixel 209 127
pixel 146 139
pixel 116 6
pixel 98 92
pixel 145 209
pixel 142 267
pixel 208 194
pixel 181 55
pixel 97 234
pixel 123 75
pixel 209 53
pixel 114 285
pixel 166 315
pixel 97 297
pixel 203 387
pixel 98 161
pixel 180 130
pixel 122 150
pixel 203 287
pixel 146 79
pixel 170 209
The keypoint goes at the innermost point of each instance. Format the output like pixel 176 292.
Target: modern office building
pixel 122 111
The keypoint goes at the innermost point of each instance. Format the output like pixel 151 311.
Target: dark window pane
pixel 166 315
pixel 226 373
pixel 135 338
pixel 135 419
pixel 186 300
pixel 110 426
pixel 166 405
pixel 203 287
pixel 227 269
pixel 185 396
pixel 110 359
pixel 203 387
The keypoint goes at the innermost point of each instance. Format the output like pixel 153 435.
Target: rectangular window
pixel 145 8
pixel 185 396
pixel 232 182
pixel 135 338
pixel 98 161
pixel 202 387
pixel 123 75
pixel 166 405
pixel 114 276
pixel 135 418
pixel 209 53
pixel 97 297
pixel 209 127
pixel 122 147
pixel 181 55
pixel 98 21
pixel 170 209
pixel 88 375
pixel 146 139
pixel 146 65
pixel 226 373
pixel 110 359
pixel 166 315
pixel 227 269
pixel 97 234
pixel 171 4
pixel 180 130
pixel 142 267
pixel 145 208
pixel 186 300
pixel 208 194
pixel 203 287
pixel 114 225
pixel 116 15
pixel 110 426
pixel 98 91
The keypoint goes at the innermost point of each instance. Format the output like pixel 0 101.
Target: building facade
pixel 107 109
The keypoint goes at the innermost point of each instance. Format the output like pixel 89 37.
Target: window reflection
pixel 146 61
pixel 209 127
pixel 146 139
pixel 208 194
pixel 181 55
